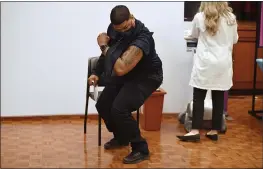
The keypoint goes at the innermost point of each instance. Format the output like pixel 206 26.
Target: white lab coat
pixel 213 69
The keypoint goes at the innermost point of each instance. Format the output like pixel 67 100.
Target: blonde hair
pixel 212 12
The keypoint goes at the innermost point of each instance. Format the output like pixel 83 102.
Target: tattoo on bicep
pixel 130 55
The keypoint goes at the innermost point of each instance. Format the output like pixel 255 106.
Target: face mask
pixel 117 36
pixel 126 34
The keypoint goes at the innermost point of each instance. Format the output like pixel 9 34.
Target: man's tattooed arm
pixel 128 60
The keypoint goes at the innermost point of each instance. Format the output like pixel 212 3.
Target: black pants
pixel 115 105
pixel 198 108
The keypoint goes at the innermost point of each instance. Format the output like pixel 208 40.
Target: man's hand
pixel 103 39
pixel 93 80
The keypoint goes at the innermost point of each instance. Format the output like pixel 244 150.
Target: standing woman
pixel 215 27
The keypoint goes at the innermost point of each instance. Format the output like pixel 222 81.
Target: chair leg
pixel 138 117
pixel 86 111
pixel 99 131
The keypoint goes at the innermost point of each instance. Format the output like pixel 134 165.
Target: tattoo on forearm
pixel 128 60
pixel 129 56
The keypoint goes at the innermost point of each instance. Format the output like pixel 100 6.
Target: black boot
pixel 114 143
pixel 140 152
pixel 135 157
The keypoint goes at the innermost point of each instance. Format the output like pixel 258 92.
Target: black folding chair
pixel 92 62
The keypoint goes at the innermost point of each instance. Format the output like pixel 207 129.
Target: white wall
pixel 46 45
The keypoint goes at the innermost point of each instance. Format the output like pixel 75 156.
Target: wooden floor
pixel 52 143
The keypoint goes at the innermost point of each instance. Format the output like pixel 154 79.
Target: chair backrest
pixel 92 63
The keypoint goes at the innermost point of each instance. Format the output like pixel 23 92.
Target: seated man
pixel 136 74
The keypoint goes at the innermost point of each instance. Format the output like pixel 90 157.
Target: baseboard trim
pixel 66 117
pixel 46 117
